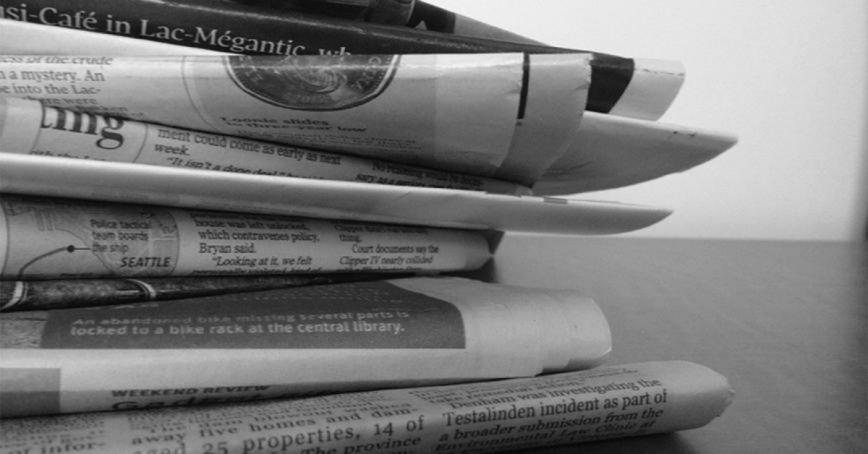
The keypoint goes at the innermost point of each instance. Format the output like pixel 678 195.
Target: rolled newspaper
pixel 28 127
pixel 228 26
pixel 463 113
pixel 606 152
pixel 258 345
pixel 568 408
pixel 47 238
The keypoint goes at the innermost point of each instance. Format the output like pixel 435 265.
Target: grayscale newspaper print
pixel 29 127
pixel 69 238
pixel 449 112
pixel 568 408
pixel 292 342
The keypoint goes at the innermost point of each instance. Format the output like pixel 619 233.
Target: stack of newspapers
pixel 246 226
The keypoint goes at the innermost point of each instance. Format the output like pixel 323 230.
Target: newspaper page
pixel 68 238
pixel 257 345
pixel 559 409
pixel 203 189
pixel 611 152
pixel 26 126
pixel 453 112
pixel 69 293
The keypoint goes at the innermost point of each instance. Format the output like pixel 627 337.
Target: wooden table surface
pixel 784 321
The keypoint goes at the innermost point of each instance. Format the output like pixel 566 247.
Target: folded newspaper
pixel 623 85
pixel 606 152
pixel 560 409
pixel 464 113
pixel 29 127
pixel 288 342
pixel 52 238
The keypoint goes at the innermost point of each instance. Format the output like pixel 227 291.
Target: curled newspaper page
pixel 204 189
pixel 291 342
pixel 53 238
pixel 560 409
pixel 454 112
pixel 611 152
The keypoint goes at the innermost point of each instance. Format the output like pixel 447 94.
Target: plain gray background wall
pixel 787 76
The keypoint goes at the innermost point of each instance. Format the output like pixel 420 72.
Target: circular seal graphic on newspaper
pixel 313 82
